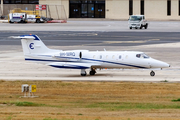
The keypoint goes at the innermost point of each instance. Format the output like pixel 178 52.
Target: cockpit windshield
pixel 135 18
pixel 142 56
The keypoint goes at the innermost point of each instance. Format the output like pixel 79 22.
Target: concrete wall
pixel 153 9
pixel 117 9
pixel 157 10
pixel 136 7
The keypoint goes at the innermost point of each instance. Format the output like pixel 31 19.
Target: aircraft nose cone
pixel 159 64
pixel 164 65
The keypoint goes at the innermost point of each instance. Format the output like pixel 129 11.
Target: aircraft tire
pixel 146 26
pixel 92 72
pixel 11 22
pixel 140 27
pixel 83 74
pixel 37 21
pixel 152 73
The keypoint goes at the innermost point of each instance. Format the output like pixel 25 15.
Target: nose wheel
pixel 152 73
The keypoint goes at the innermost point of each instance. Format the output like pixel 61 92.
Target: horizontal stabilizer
pixel 27 37
pixel 70 65
pixel 23 37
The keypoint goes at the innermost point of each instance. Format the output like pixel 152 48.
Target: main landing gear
pixel 83 72
pixel 92 72
pixel 152 73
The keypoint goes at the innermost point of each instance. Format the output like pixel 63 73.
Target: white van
pixel 137 22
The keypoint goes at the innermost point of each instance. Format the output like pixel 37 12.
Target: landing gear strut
pixel 152 73
pixel 83 72
pixel 93 71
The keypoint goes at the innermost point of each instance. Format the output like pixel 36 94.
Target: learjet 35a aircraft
pixel 35 50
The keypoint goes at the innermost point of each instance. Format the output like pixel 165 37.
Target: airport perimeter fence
pixel 56 12
pixel 0 12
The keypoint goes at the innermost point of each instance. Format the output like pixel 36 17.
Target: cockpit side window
pixel 142 56
pixel 138 55
pixel 145 56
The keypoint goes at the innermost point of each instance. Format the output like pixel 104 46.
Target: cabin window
pixel 113 57
pixel 120 57
pixel 106 56
pixel 100 57
pixel 94 56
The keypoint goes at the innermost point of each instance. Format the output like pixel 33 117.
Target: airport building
pixel 109 9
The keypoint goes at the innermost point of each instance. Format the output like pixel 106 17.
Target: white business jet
pixel 35 50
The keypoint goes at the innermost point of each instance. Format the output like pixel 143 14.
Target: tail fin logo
pixel 31 46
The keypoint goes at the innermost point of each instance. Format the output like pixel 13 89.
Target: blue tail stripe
pixel 35 36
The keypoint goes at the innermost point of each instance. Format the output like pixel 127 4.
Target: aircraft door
pixel 80 55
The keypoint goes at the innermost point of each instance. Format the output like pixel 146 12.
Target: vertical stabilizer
pixel 32 44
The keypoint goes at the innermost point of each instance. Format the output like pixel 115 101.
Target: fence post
pixel 57 12
pixel 1 7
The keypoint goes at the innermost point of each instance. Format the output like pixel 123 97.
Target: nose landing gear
pixel 152 73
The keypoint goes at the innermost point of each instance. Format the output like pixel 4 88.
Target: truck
pixel 137 22
pixel 24 18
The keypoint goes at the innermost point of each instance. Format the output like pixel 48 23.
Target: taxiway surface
pixel 161 43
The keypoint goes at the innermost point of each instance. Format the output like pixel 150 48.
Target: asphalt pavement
pixel 121 26
pixel 95 38
pixel 160 41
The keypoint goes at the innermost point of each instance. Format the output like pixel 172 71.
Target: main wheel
pixel 152 73
pixel 83 74
pixel 92 72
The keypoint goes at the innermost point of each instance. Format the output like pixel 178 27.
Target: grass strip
pixel 122 106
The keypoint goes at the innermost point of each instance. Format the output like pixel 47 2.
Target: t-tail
pixel 32 45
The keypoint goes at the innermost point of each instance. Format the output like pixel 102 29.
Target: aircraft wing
pixel 70 65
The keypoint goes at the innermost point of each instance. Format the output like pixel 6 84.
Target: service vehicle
pixel 17 17
pixel 137 22
pixel 24 18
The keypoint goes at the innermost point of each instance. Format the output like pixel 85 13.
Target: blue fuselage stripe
pixel 86 60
